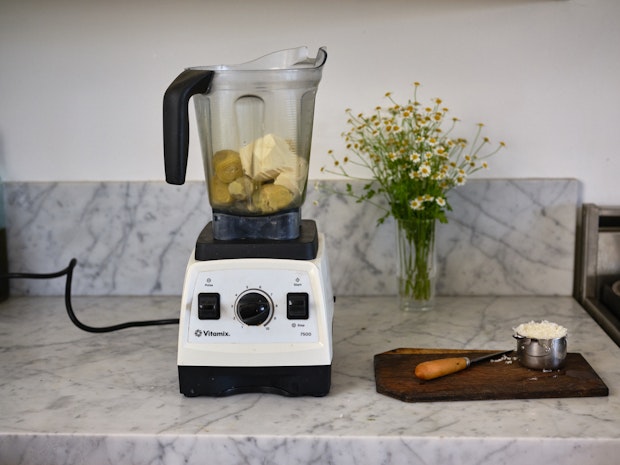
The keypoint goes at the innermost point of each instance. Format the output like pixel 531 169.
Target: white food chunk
pixel 294 178
pixel 267 157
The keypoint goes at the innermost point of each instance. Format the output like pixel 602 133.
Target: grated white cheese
pixel 541 330
pixel 504 358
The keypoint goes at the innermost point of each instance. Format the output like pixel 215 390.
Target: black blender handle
pixel 176 120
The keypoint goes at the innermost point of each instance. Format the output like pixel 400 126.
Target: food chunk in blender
pixel 241 188
pixel 227 165
pixel 271 198
pixel 264 177
pixel 265 158
pixel 218 191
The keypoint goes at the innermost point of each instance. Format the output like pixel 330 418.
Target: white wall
pixel 81 82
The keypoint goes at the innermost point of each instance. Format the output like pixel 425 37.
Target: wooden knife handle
pixel 436 368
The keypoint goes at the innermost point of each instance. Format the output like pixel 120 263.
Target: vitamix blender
pixel 257 303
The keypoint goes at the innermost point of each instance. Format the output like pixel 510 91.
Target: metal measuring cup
pixel 541 354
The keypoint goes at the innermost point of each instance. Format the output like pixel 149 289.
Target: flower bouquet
pixel 414 161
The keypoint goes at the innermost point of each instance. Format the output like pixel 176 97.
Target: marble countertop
pixel 72 397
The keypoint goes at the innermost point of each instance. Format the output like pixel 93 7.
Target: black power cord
pixel 68 271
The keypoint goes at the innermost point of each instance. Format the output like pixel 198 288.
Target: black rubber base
pixel 290 381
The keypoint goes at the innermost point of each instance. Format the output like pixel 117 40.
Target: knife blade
pixel 444 366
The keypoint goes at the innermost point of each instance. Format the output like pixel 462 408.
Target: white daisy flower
pixel 416 204
pixel 424 170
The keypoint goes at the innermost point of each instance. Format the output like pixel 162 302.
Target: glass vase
pixel 416 267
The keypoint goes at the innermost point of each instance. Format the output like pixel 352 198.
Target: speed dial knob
pixel 254 308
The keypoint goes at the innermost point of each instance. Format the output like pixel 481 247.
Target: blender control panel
pixel 253 306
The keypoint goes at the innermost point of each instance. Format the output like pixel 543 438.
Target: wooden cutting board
pixel 488 380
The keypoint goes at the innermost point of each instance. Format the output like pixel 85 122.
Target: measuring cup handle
pixel 176 120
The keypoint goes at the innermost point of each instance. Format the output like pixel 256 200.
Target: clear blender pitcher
pixel 255 126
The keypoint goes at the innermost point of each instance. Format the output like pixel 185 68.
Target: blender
pixel 257 303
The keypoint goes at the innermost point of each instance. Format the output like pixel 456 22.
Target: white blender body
pixel 298 304
pixel 279 340
pixel 257 304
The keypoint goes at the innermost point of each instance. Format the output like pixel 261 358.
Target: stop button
pixel 297 306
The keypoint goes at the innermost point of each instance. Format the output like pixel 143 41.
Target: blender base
pixel 290 381
pixel 258 324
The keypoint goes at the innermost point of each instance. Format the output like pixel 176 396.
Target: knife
pixel 445 366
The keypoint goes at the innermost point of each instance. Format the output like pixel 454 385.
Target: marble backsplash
pixel 504 237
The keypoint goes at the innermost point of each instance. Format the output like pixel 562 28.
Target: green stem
pixel 416 242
